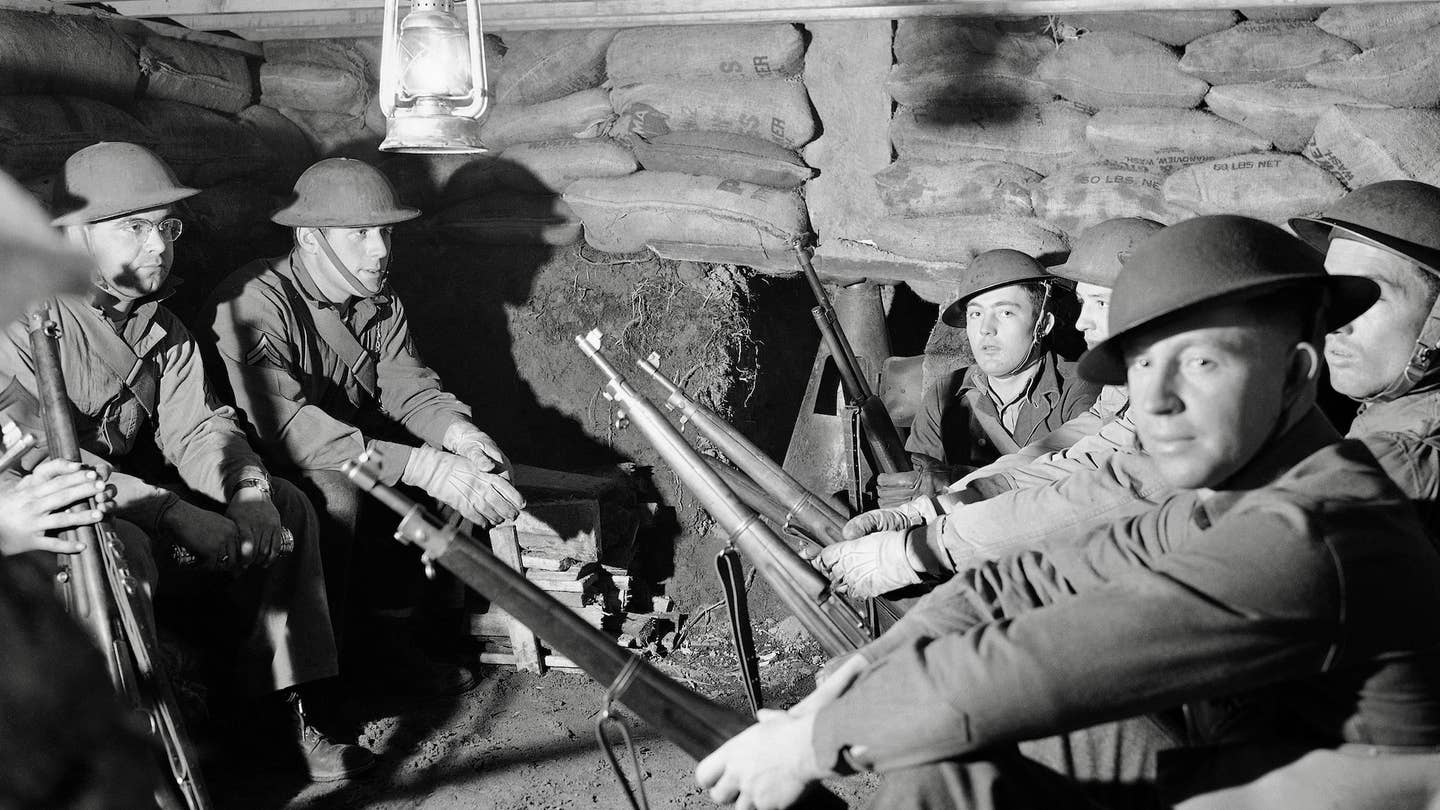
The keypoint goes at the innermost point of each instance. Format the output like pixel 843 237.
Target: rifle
pixel 887 452
pixel 805 592
pixel 104 597
pixel 690 720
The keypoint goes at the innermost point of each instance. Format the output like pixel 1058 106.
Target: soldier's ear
pixel 1045 324
pixel 305 239
pixel 1304 368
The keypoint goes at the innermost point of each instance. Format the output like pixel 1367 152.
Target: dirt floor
pixel 521 740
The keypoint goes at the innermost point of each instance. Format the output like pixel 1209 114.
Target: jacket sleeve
pixel 196 433
pixel 1087 453
pixel 925 440
pixel 1065 639
pixel 1412 461
pixel 409 390
pixel 258 348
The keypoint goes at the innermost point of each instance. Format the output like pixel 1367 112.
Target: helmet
pixel 1102 248
pixel 343 193
pixel 991 270
pixel 1400 216
pixel 35 262
pixel 111 179
pixel 1207 260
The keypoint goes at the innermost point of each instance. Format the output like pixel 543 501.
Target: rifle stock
pixel 693 722
pixel 805 592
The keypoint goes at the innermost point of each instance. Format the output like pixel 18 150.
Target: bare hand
pixel 765 767
pixel 34 506
pixel 213 539
pixel 258 522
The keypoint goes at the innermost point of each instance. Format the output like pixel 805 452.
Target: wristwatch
pixel 262 484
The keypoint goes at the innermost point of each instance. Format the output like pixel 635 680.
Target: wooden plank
pixel 503 541
pixel 175 32
pixel 559 529
pixel 509 660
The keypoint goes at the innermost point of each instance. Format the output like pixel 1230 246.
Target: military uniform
pixel 129 373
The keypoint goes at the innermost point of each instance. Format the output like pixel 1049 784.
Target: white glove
pixel 873 565
pixel 464 439
pixel 917 512
pixel 484 499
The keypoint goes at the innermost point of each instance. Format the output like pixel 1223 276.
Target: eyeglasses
pixel 139 229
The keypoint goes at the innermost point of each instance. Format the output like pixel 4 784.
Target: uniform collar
pixel 312 293
pixel 105 304
pixel 1044 385
pixel 1308 435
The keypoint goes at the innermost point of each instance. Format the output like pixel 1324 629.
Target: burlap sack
pixel 336 134
pixel 962 238
pixel 1075 198
pixel 623 214
pixel 542 66
pixel 1263 51
pixel 195 73
pixel 232 211
pixel 724 154
pixel 549 167
pixel 65 54
pixel 1368 25
pixel 930 39
pixel 1361 146
pixel 336 53
pixel 583 114
pixel 918 188
pixel 776 110
pixel 290 145
pixel 311 86
pixel 1403 73
pixel 204 147
pixel 1272 186
pixel 37 133
pixel 1120 69
pixel 967 79
pixel 1039 137
pixel 1284 112
pixel 1166 138
pixel 511 219
pixel 1169 27
pixel 705 52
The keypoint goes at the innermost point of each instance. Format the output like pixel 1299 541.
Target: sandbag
pixel 962 238
pixel 622 214
pixel 511 219
pixel 1075 198
pixel 1169 27
pixel 1272 186
pixel 1263 51
pixel 1283 112
pixel 701 52
pixel 231 211
pixel 548 167
pixel 335 134
pixel 37 133
pixel 287 141
pixel 724 154
pixel 1166 138
pixel 929 39
pixel 1305 13
pixel 310 86
pixel 778 111
pixel 1039 137
pixel 337 53
pixel 1120 69
pixel 1370 25
pixel 65 54
pixel 195 73
pixel 967 78
pixel 918 188
pixel 579 115
pixel 542 66
pixel 202 146
pixel 1362 146
pixel 1404 73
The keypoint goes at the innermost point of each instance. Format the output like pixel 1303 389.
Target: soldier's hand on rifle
pixel 213 539
pixel 767 766
pixel 892 489
pixel 873 565
pixel 476 446
pixel 485 499
pixel 258 523
pixel 33 507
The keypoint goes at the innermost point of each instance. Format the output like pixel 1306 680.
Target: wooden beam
pixel 246 47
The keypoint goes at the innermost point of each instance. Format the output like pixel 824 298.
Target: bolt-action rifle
pixel 105 598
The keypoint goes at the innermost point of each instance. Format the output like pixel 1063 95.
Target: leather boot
pixel 325 760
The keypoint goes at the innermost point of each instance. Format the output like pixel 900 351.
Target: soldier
pixel 1263 594
pixel 320 359
pixel 1017 391
pixel 132 369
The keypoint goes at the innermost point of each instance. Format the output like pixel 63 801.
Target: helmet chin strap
pixel 349 279
pixel 1036 334
pixel 1421 366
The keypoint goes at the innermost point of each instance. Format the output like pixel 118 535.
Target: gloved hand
pixel 896 518
pixel 896 488
pixel 873 565
pixel 484 499
pixel 464 439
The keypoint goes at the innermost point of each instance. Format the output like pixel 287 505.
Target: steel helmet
pixel 1207 260
pixel 1102 248
pixel 343 193
pixel 111 179
pixel 35 262
pixel 991 270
